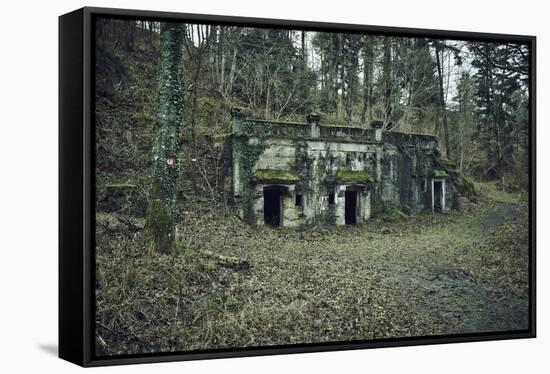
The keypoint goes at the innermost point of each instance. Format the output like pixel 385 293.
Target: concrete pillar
pixel 340 201
pixel 378 163
pixel 236 116
pixel 377 126
pixel 313 120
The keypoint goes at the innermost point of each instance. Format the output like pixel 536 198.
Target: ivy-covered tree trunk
pixel 387 79
pixel 161 210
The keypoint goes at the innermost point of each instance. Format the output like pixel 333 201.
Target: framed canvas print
pixel 234 186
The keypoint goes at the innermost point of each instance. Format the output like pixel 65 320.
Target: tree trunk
pixel 386 79
pixel 445 126
pixel 161 210
pixel 304 52
pixel 368 64
pixel 231 78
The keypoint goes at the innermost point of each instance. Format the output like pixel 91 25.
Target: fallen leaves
pixel 426 275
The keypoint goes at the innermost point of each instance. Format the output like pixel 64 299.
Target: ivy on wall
pixel 247 154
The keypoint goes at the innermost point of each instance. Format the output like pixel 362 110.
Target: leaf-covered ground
pixel 422 275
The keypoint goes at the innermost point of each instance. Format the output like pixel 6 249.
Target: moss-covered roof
pixel 439 173
pixel 274 175
pixel 343 175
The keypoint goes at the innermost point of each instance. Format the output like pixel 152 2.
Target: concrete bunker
pixel 292 173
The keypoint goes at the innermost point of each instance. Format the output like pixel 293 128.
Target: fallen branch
pixel 228 261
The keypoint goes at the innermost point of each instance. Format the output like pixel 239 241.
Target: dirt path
pixel 424 278
pixel 451 293
pixel 493 308
pixel 497 216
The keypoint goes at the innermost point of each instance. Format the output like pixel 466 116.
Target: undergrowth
pixel 419 275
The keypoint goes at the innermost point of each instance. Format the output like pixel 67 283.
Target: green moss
pixel 290 122
pixel 392 213
pixel 159 227
pixel 343 175
pixel 438 173
pixel 341 126
pixel 273 175
pixel 465 186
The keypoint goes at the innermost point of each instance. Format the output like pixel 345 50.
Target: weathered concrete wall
pixel 320 163
pixel 408 163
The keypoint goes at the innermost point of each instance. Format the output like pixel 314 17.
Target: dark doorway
pixel 351 207
pixel 272 206
pixel 438 196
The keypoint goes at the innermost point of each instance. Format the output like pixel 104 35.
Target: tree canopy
pixel 473 96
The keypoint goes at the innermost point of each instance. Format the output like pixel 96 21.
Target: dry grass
pixel 423 275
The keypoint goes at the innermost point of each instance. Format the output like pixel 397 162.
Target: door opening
pixel 438 196
pixel 272 206
pixel 351 207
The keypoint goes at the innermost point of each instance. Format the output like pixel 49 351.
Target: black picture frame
pixel 76 187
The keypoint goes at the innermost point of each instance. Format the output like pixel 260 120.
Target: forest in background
pixel 473 96
pixel 163 95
